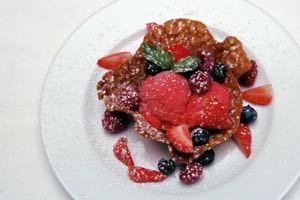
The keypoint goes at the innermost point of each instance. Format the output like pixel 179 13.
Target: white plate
pixel 80 153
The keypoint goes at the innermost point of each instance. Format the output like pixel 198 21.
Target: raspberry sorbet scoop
pixel 164 98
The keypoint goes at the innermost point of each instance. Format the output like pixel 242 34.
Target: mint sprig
pixel 186 64
pixel 158 56
pixel 165 60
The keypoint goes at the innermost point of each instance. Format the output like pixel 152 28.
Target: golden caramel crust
pixel 194 35
pixel 234 56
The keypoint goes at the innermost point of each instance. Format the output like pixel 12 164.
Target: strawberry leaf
pixel 186 64
pixel 158 56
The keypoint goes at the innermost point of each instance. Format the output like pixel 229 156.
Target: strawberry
pixel 122 152
pixel 178 51
pixel 260 95
pixel 135 173
pixel 180 138
pixel 249 77
pixel 143 175
pixel 151 25
pixel 114 60
pixel 243 138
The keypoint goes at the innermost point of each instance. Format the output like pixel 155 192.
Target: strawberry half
pixel 260 95
pixel 114 60
pixel 178 51
pixel 243 138
pixel 143 175
pixel 180 138
pixel 151 25
pixel 122 152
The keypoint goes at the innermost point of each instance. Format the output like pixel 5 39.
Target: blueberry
pixel 248 115
pixel 166 166
pixel 206 158
pixel 200 136
pixel 219 72
pixel 152 69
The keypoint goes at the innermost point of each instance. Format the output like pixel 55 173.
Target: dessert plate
pixel 80 152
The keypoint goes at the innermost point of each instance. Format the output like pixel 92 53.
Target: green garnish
pixel 186 64
pixel 158 56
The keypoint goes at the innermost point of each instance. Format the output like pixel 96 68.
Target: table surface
pixel 31 33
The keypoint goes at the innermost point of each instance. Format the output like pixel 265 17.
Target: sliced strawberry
pixel 114 60
pixel 178 51
pixel 243 139
pixel 260 95
pixel 180 138
pixel 143 175
pixel 151 25
pixel 122 152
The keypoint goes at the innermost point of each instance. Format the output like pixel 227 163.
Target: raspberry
pixel 151 25
pixel 129 97
pixel 114 122
pixel 190 173
pixel 207 60
pixel 200 82
pixel 249 77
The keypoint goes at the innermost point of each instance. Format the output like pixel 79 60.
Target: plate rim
pixel 57 176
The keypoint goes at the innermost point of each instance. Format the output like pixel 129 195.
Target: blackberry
pixel 206 158
pixel 166 166
pixel 200 136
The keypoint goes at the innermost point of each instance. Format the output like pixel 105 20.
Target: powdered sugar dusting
pixel 191 173
pixel 179 31
pixel 122 152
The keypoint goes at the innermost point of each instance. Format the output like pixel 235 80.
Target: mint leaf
pixel 158 56
pixel 186 64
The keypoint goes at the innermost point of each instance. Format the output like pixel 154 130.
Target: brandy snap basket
pixel 194 35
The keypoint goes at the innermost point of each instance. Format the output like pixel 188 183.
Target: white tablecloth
pixel 31 33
